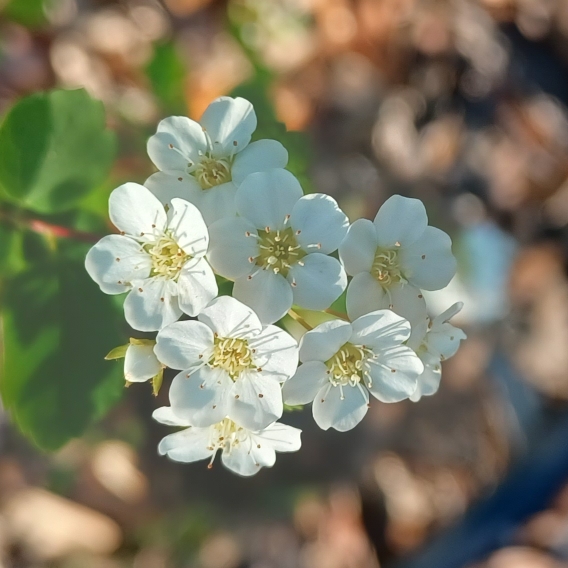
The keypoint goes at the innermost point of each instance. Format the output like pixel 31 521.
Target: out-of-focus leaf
pixel 29 13
pixel 166 73
pixel 56 329
pixel 54 149
pixel 11 250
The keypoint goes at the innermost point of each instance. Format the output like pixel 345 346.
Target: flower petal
pixel 177 144
pixel 276 353
pixel 364 295
pixel 443 340
pixel 340 408
pixel 202 397
pixel 400 219
pixel 357 251
pixel 306 383
pixel 230 318
pixel 188 227
pixel 259 156
pixel 218 202
pixel 115 261
pixel 165 415
pixel 281 437
pixel 189 445
pixel 268 294
pixel 196 286
pixel 267 198
pixel 320 221
pixel 230 248
pixel 429 263
pixel 256 400
pixel 168 185
pixel 152 304
pixel 184 344
pixel 140 363
pixel 429 381
pixel 134 210
pixel 380 330
pixel 229 124
pixel 319 282
pixel 325 340
pixel 394 374
pixel 247 458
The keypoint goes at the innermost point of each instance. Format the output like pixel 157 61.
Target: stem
pixel 337 314
pixel 294 315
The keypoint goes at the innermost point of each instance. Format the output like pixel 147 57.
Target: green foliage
pixel 54 150
pixel 29 13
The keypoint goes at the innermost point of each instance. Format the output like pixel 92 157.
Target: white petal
pixel 320 221
pixel 429 381
pixel 247 458
pixel 400 219
pixel 319 282
pixel 152 304
pixel 266 198
pixel 392 386
pixel 256 400
pixel 218 202
pixel 188 227
pixel 184 344
pixel 230 248
pixel 306 383
pixel 134 210
pixel 259 156
pixel 168 185
pixel 364 295
pixel 268 294
pixel 189 445
pixel 229 124
pixel 357 251
pixel 140 363
pixel 429 263
pixel 115 261
pixel 196 286
pixel 276 352
pixel 380 330
pixel 201 398
pixel 281 437
pixel 407 301
pixel 165 415
pixel 444 340
pixel 332 409
pixel 325 340
pixel 230 318
pixel 448 314
pixel 177 144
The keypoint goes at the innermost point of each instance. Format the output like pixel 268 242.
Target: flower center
pixel 210 172
pixel 168 258
pixel 279 250
pixel 233 355
pixel 386 267
pixel 347 366
pixel 225 435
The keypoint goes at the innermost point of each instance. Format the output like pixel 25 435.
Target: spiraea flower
pixel 277 250
pixel 204 162
pixel 242 450
pixel 392 258
pixel 158 258
pixel 231 365
pixel 434 340
pixel 343 362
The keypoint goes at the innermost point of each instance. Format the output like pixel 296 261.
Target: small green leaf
pixel 54 150
pixel 117 353
pixel 157 382
pixel 11 250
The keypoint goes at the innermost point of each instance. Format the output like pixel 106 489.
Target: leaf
pixel 11 250
pixel 30 13
pixel 54 150
pixel 117 353
pixel 56 328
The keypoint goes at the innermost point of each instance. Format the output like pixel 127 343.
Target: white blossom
pixel 243 451
pixel 140 361
pixel 231 366
pixel 204 162
pixel 392 258
pixel 343 362
pixel 434 340
pixel 277 250
pixel 158 258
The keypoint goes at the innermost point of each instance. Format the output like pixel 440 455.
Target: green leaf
pixel 56 328
pixel 11 250
pixel 54 150
pixel 29 13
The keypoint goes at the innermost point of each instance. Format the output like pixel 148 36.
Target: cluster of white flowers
pixel 221 207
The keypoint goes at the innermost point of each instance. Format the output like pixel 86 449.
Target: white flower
pixel 276 251
pixel 434 340
pixel 342 362
pixel 231 366
pixel 158 258
pixel 140 361
pixel 244 451
pixel 205 162
pixel 393 257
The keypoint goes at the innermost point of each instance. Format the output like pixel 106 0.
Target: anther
pixel 171 146
pixel 260 395
pixel 423 256
pixel 117 259
pixel 180 179
pixel 140 290
pixel 235 143
pixel 237 396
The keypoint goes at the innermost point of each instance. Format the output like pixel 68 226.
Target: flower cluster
pixel 224 208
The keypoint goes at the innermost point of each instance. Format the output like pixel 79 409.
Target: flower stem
pixel 337 314
pixel 294 315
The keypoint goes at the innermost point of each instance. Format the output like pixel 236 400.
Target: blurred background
pixel 461 103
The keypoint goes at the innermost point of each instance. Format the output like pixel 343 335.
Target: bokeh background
pixel 461 103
